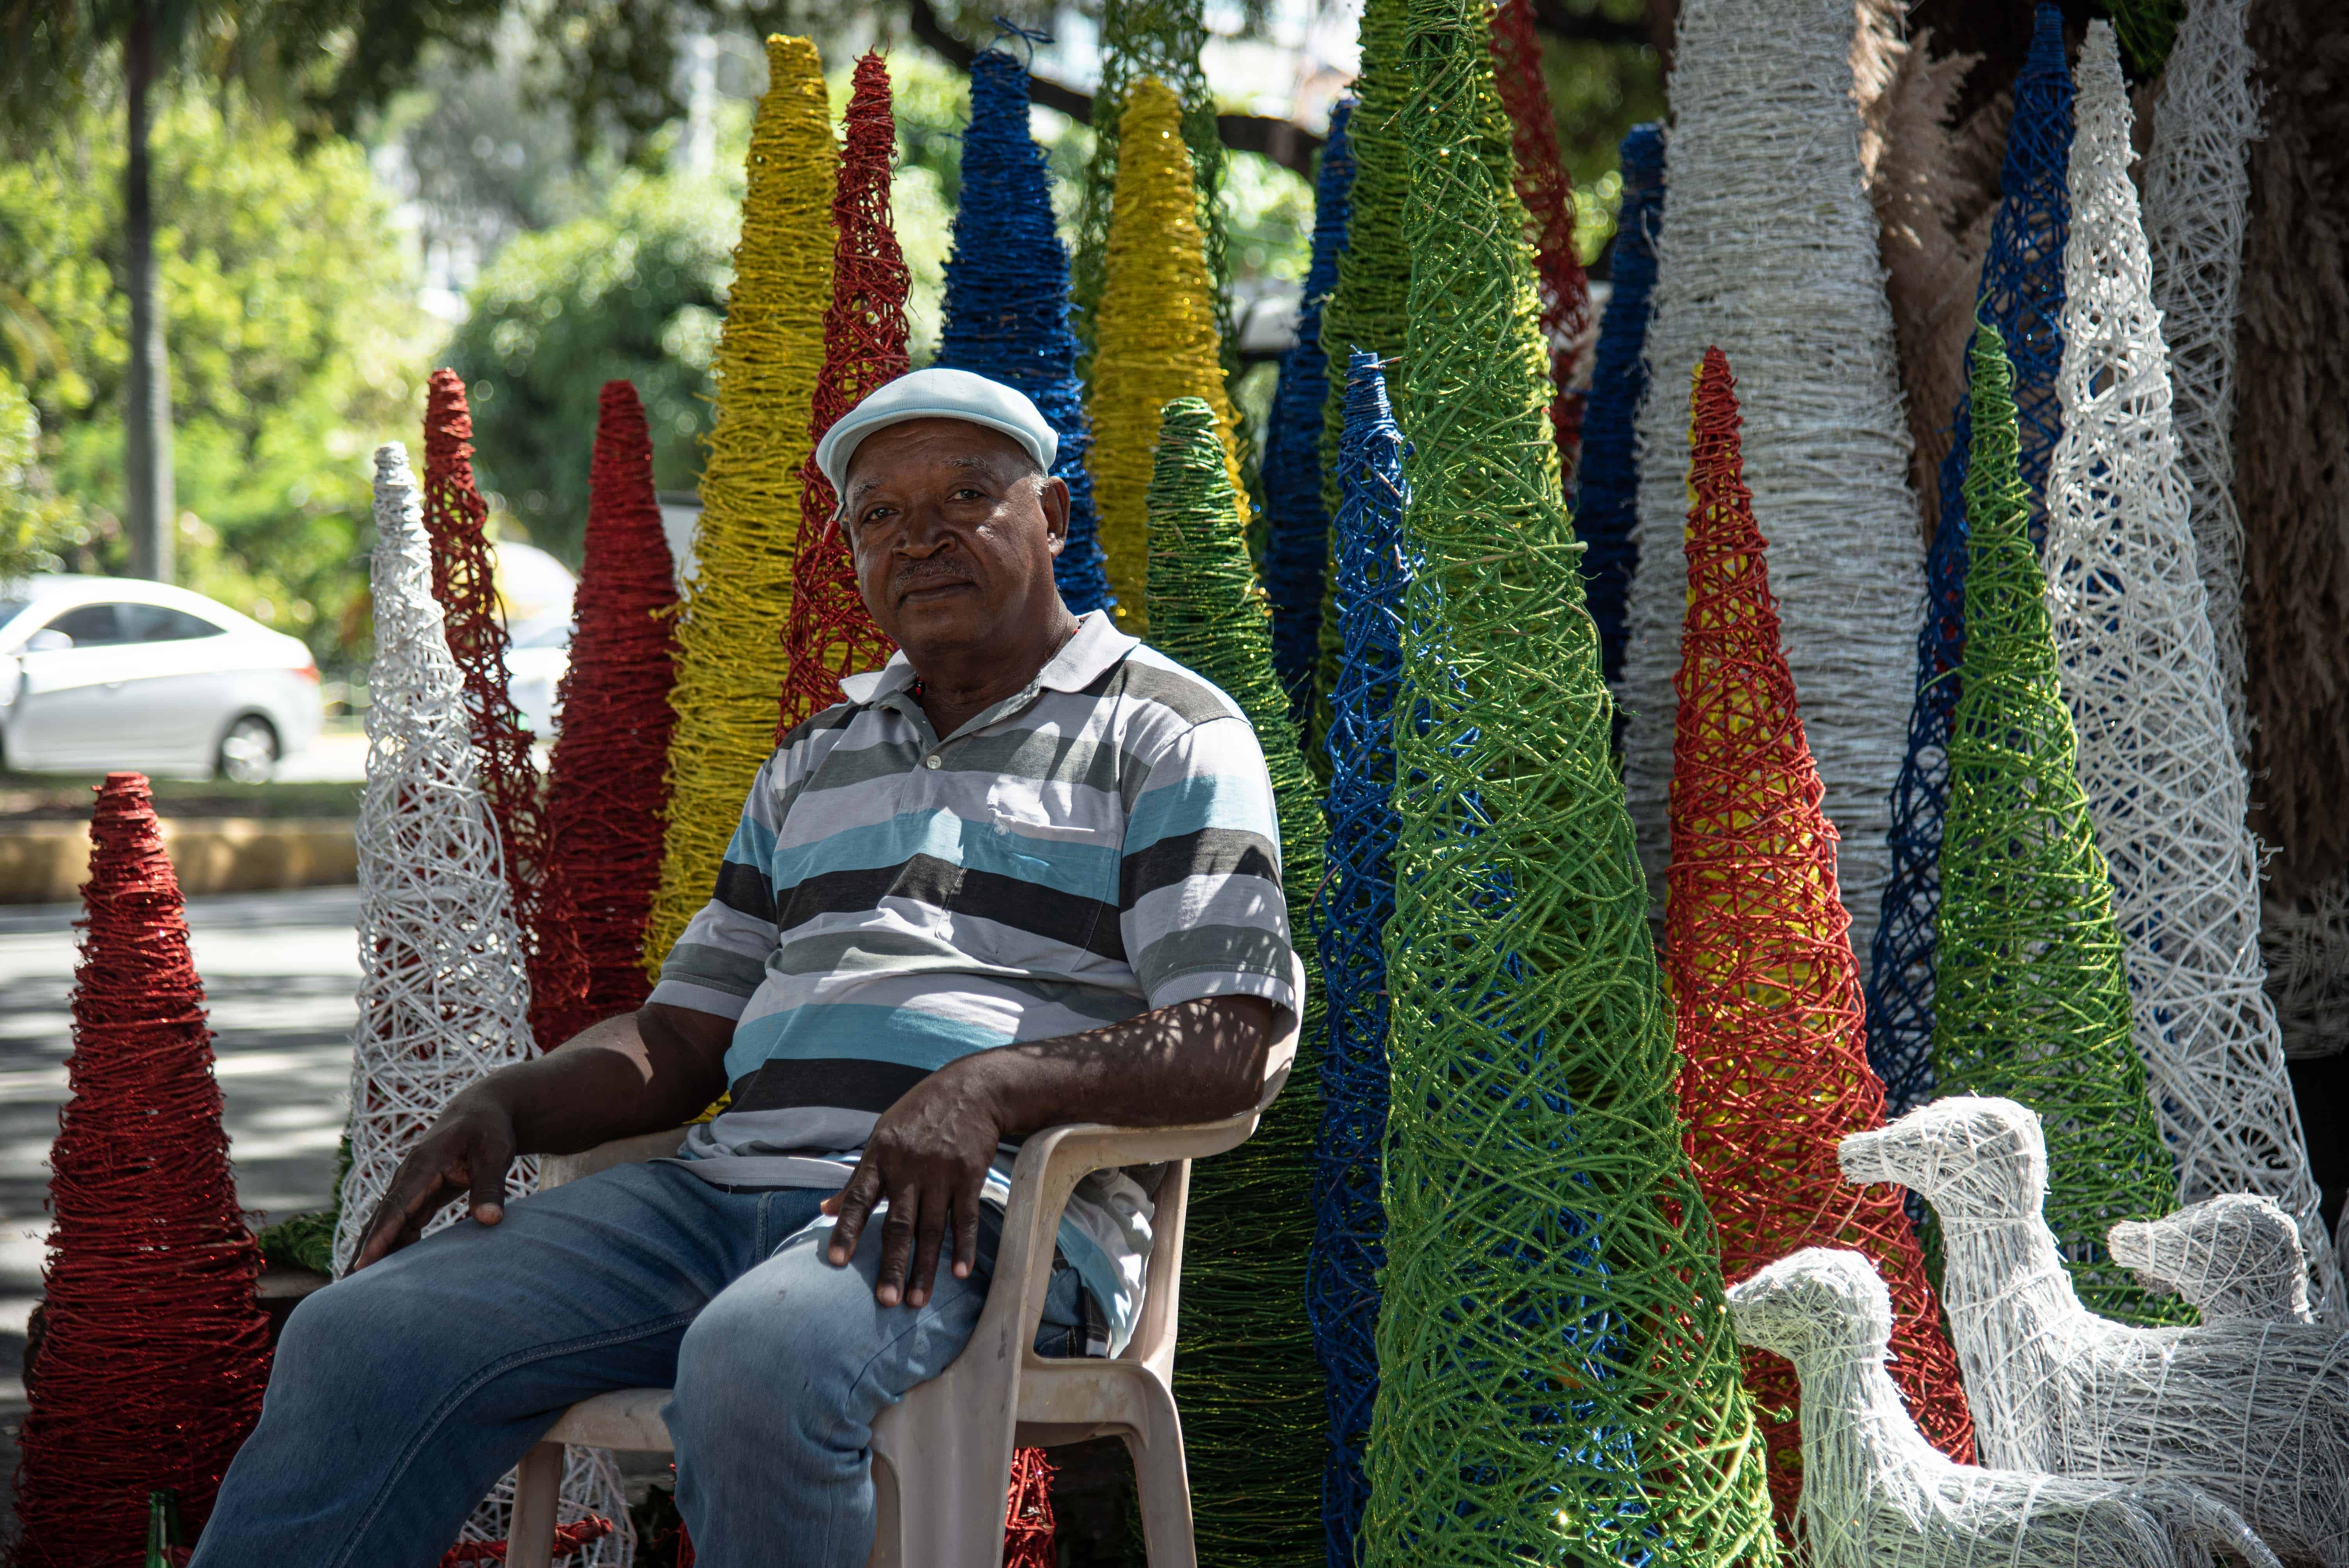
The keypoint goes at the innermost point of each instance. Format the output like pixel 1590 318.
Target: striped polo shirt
pixel 1099 844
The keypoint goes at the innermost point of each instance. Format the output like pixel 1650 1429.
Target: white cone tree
pixel 2165 783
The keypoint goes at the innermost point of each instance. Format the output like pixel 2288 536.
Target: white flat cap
pixel 936 394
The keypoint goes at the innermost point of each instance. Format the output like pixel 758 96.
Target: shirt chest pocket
pixel 1061 870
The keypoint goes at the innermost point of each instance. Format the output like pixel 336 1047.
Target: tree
pixel 297 336
pixel 637 290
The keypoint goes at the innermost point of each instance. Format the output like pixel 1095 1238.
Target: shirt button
pixel 932 761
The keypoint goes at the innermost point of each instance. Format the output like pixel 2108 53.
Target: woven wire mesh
pixel 1606 498
pixel 1350 912
pixel 1556 1378
pixel 2140 673
pixel 1155 337
pixel 1543 186
pixel 1251 1390
pixel 2022 296
pixel 1299 546
pixel 830 632
pixel 2030 1000
pixel 1007 301
pixel 729 647
pixel 1757 952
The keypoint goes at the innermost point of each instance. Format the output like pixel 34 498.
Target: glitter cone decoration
pixel 1556 1374
pixel 2198 186
pixel 1154 335
pixel 831 633
pixel 1606 498
pixel 443 998
pixel 1548 197
pixel 152 1355
pixel 1299 549
pixel 2164 782
pixel 2029 998
pixel 1762 105
pixel 1350 911
pixel 1875 1492
pixel 1007 299
pixel 731 654
pixel 1251 1390
pixel 2022 296
pixel 455 518
pixel 1765 992
pixel 605 798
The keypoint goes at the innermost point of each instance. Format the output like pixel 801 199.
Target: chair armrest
pixel 556 1170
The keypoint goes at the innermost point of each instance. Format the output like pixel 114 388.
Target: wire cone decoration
pixel 1548 193
pixel 1556 1378
pixel 1606 497
pixel 455 523
pixel 1367 304
pixel 2022 296
pixel 1155 337
pixel 1007 299
pixel 2030 1000
pixel 730 657
pixel 605 798
pixel 1350 911
pixel 152 1354
pixel 2164 781
pixel 831 633
pixel 1762 99
pixel 443 998
pixel 2293 491
pixel 1765 992
pixel 1250 1389
pixel 1143 40
pixel 1299 546
pixel 2197 189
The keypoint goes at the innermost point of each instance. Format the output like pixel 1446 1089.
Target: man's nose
pixel 924 534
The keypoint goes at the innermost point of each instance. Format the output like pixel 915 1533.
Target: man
pixel 1027 874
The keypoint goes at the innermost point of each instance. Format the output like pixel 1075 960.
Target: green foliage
pixel 294 337
pixel 34 521
pixel 635 289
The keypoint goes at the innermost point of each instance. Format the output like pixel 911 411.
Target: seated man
pixel 1026 874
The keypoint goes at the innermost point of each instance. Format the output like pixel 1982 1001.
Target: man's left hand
pixel 927 1158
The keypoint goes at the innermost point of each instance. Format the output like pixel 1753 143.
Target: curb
pixel 47 863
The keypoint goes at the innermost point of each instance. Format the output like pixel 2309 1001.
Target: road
pixel 280 971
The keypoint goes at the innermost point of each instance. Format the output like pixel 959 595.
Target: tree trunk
pixel 149 509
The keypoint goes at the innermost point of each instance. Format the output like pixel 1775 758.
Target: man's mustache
pixel 914 579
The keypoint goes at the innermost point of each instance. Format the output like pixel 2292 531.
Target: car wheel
pixel 248 752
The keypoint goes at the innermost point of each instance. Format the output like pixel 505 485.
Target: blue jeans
pixel 401 1394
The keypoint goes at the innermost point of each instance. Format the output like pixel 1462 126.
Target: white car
pixel 100 673
pixel 535 662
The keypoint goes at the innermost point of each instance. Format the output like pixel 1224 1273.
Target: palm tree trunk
pixel 149 510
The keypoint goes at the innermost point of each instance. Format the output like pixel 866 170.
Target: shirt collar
pixel 1083 660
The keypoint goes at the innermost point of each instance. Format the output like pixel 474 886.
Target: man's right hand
pixel 464 1153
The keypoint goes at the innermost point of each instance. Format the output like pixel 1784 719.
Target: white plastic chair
pixel 949 1442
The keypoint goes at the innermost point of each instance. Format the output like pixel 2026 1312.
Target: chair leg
pixel 950 1474
pixel 1163 1480
pixel 538 1484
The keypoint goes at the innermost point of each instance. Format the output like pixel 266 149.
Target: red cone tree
pixel 1757 952
pixel 153 1354
pixel 1548 198
pixel 607 795
pixel 830 632
pixel 455 517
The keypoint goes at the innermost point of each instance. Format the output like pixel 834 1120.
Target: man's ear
pixel 1052 496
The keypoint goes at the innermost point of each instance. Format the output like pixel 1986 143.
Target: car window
pixel 158 624
pixel 90 625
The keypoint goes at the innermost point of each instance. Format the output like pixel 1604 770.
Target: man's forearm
pixel 1193 1061
pixel 637 1073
